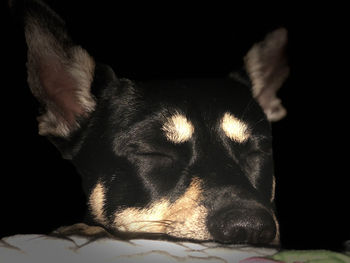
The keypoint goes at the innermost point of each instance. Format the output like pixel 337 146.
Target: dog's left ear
pixel 266 65
pixel 60 72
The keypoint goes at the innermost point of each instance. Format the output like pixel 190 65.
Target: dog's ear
pixel 60 73
pixel 267 67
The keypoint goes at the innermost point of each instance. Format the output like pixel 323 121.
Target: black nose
pixel 242 226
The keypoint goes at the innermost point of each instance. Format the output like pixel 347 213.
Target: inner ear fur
pixel 60 73
pixel 267 66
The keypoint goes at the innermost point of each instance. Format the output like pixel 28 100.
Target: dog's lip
pixel 157 236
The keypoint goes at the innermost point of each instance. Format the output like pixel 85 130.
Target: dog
pixel 184 159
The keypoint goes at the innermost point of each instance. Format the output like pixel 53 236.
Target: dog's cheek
pixel 97 201
pixel 184 218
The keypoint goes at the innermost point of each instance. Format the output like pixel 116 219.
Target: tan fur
pixel 178 129
pixel 82 68
pixel 234 128
pixel 267 68
pixel 81 229
pixel 184 218
pixel 273 189
pixel 97 202
pixel 50 124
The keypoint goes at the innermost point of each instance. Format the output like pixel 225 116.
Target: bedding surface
pixel 44 248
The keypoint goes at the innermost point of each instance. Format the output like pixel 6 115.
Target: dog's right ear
pixel 60 73
pixel 267 66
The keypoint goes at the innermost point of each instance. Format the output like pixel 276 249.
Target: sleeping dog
pixel 184 159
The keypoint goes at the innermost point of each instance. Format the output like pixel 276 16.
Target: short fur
pixel 187 158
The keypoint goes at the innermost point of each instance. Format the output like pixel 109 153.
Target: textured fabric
pixel 41 248
pixel 311 256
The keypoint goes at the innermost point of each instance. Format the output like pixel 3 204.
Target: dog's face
pixel 184 158
pixel 188 158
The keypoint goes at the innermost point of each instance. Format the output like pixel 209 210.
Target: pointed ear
pixel 60 73
pixel 266 65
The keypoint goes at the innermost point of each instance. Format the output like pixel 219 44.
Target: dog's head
pixel 185 158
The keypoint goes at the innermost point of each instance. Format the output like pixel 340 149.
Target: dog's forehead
pixel 220 93
pixel 182 109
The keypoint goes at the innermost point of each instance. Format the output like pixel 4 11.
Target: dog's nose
pixel 242 226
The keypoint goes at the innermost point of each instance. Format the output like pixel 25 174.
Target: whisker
pixel 152 223
pixel 256 123
pixel 246 108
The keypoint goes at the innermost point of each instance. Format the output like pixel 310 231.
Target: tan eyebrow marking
pixel 178 129
pixel 234 128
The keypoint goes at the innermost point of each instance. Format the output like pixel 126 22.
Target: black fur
pixel 121 142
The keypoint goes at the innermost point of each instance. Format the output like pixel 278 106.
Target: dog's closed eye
pixel 156 159
pixel 154 154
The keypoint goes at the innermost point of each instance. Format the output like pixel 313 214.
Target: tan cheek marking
pixel 189 217
pixel 273 189
pixel 178 129
pixel 234 128
pixel 184 218
pixel 97 202
pixel 142 220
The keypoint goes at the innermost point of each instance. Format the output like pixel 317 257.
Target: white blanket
pixel 43 248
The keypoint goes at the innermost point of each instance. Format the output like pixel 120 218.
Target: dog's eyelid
pixel 155 154
pixel 152 153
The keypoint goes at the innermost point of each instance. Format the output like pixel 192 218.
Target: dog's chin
pixel 166 237
pixel 95 232
pixel 127 235
pixel 166 230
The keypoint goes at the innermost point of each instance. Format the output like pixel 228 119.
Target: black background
pixel 40 191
